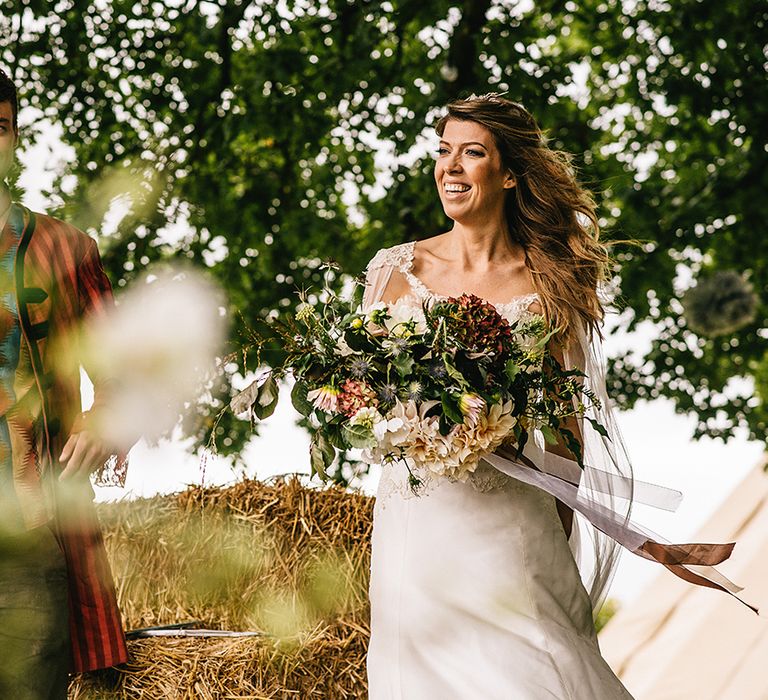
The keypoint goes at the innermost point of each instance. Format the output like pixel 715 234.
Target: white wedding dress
pixel 475 593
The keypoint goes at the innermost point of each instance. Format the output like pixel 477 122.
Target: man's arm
pixel 85 451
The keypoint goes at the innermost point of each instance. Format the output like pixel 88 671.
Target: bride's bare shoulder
pixel 429 252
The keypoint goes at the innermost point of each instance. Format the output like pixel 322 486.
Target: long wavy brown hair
pixel 548 213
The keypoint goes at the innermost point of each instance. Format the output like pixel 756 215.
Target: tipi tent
pixel 684 642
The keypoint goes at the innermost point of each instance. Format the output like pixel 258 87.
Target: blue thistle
pixel 388 393
pixel 437 371
pixel 397 345
pixel 359 368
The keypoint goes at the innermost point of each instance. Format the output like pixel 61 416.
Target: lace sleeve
pixel 377 276
pixel 380 268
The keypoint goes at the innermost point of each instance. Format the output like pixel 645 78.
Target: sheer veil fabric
pixel 602 494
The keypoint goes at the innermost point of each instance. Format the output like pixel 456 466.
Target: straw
pixel 277 558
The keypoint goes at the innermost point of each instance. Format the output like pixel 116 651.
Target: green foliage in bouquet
pixel 434 385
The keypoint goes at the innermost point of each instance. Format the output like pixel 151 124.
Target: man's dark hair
pixel 8 94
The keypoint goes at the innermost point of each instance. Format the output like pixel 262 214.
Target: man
pixel 58 610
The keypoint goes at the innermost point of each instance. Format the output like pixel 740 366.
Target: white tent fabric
pixel 678 641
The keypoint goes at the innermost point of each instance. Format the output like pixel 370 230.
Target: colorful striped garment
pixel 58 281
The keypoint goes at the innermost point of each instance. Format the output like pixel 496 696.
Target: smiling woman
pixel 522 221
pixel 474 588
pixel 471 179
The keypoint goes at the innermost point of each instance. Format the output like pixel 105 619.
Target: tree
pixel 257 138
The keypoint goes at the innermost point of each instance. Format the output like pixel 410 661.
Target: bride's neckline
pixel 516 303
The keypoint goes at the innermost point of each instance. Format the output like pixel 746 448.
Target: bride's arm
pixel 384 280
pixel 570 423
pixel 384 284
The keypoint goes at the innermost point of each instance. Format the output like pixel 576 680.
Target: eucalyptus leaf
pixel 358 436
pixel 549 435
pixel 299 398
pixel 266 401
pixel 321 455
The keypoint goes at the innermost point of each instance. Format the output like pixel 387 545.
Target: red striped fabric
pixel 65 263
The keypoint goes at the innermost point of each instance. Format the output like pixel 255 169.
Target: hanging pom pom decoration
pixel 719 304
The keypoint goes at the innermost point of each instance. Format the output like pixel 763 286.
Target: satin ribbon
pixel 692 562
pixel 605 482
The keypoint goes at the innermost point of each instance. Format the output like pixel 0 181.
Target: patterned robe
pixel 59 281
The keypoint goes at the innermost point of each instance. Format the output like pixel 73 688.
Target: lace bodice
pixel 401 258
pixel 395 476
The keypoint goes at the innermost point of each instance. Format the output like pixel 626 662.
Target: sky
pixel 658 440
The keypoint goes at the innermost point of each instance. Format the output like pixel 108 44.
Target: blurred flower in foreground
pixel 155 352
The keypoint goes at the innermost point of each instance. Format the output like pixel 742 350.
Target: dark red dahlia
pixel 477 324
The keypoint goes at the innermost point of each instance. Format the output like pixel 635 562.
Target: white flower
pixel 367 417
pixel 469 442
pixel 405 318
pixel 385 426
pixel 343 347
pixel 408 432
pixel 407 417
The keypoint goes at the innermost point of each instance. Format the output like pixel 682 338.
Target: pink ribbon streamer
pixel 692 562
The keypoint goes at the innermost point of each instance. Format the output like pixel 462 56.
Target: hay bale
pixel 278 558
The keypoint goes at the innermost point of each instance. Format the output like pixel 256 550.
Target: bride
pixel 475 589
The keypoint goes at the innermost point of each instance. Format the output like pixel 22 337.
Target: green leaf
pixel 549 435
pixel 358 436
pixel 321 455
pixel 599 427
pixel 573 445
pixel 542 342
pixel 511 369
pixel 403 364
pixel 357 340
pixel 333 431
pixel 266 400
pixel 451 409
pixel 299 398
pixel 453 373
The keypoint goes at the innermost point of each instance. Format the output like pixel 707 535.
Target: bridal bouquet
pixel 433 386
